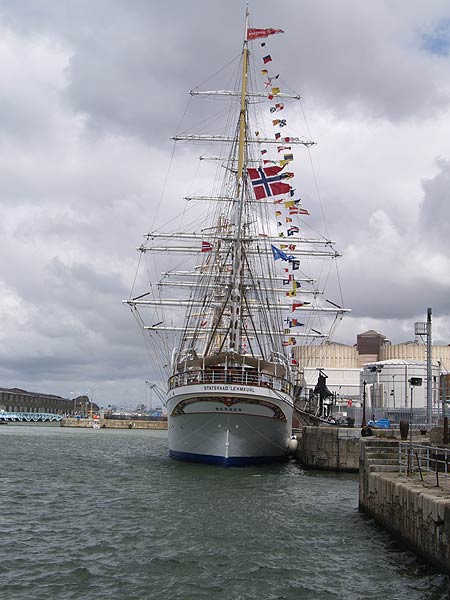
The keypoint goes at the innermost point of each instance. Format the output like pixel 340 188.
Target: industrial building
pixel 339 363
pixel 385 367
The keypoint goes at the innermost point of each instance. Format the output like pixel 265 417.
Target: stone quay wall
pixel 114 424
pixel 329 448
pixel 417 514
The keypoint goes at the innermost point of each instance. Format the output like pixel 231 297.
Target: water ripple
pixel 107 515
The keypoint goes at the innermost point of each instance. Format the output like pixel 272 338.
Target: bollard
pixel 404 428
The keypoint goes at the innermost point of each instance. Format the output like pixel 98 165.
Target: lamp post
pixel 393 389
pixel 151 386
pixel 363 422
pixel 413 382
pixel 424 330
pixel 411 414
pixel 376 392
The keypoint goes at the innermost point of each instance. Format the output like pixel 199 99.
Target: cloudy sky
pixel 91 92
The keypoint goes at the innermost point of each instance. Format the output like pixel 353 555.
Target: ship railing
pixel 230 377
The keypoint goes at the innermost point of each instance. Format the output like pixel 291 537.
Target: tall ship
pixel 230 294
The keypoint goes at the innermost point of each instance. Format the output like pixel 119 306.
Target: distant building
pixel 18 400
pixel 369 345
pixel 373 346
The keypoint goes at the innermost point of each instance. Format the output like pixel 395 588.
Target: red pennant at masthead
pixel 253 33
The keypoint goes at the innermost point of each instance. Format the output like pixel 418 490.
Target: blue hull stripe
pixel 232 461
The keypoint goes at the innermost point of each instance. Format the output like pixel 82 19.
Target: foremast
pixel 236 274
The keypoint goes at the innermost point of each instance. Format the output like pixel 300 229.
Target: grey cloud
pixel 71 279
pixel 131 65
pixel 141 88
pixel 130 68
pixel 387 274
pixel 85 145
pixel 434 214
pixel 369 59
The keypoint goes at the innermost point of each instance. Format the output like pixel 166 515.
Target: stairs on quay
pixel 379 455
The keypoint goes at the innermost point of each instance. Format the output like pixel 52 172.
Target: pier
pixel 102 423
pixel 329 448
pixel 405 488
pixel 403 485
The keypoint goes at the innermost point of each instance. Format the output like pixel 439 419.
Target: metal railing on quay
pixel 131 417
pixel 431 463
pixel 417 417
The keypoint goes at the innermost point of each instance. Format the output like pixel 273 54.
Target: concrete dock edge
pixel 417 514
pixel 329 448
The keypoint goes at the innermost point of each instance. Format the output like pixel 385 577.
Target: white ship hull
pixel 229 424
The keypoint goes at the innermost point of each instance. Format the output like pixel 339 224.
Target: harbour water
pixel 91 514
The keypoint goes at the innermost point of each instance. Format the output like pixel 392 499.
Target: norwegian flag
pixel 268 182
pixel 206 247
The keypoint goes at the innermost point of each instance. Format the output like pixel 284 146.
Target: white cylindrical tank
pixel 326 356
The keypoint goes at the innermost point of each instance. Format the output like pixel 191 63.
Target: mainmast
pixel 236 275
pixel 233 303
